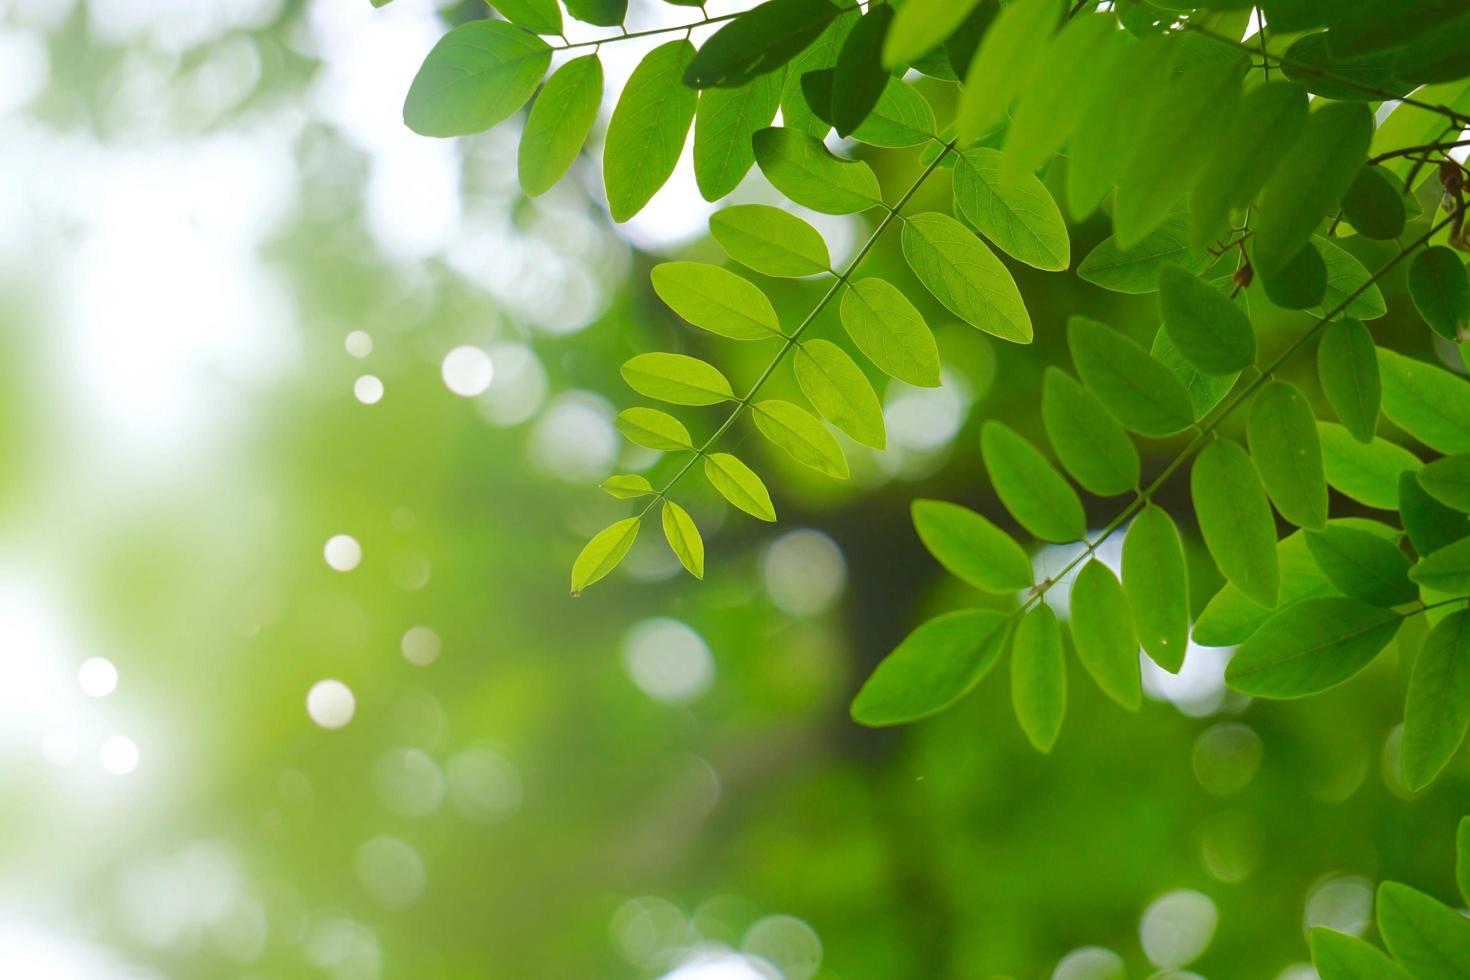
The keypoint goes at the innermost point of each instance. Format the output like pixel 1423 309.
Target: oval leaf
pixel 477 75
pixel 890 332
pixel 1102 632
pixel 1210 331
pixel 1347 367
pixel 1430 939
pixel 1338 956
pixel 1089 442
pixel 970 547
pixel 840 391
pixel 646 133
pixel 1231 618
pixel 683 538
pixel 965 276
pixel 738 484
pixel 1139 391
pixel 1429 523
pixel 653 429
pixel 1373 205
pixel 1363 565
pixel 1156 581
pixel 803 436
pixel 1440 290
pixel 1427 402
pixel 1368 473
pixel 602 554
pixel 725 123
pixel 770 241
pixel 1016 212
pixel 1235 520
pixel 559 123
pixel 676 378
pixel 799 166
pixel 1310 647
pixel 1437 710
pixel 1037 496
pixel 627 487
pixel 1448 481
pixel 934 666
pixel 1039 676
pixel 1288 455
pixel 716 300
pixel 1446 570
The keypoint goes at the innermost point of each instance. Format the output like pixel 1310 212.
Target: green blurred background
pixel 292 395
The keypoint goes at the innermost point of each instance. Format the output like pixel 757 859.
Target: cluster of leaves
pixel 1426 939
pixel 1219 173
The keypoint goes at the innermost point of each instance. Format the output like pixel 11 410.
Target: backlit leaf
pixel 1338 956
pixel 1282 435
pixel 559 123
pixel 1205 390
pixel 676 378
pixel 1050 107
pixel 683 538
pixel 1003 64
pixel 1363 565
pixel 1208 329
pixel 604 13
pixel 890 332
pixel 537 16
pixel 1231 617
pixel 1429 939
pixel 1016 213
pixel 859 76
pixel 1347 367
pixel 934 666
pixel 970 547
pixel 1427 402
pixel 725 123
pixel 1437 710
pixel 1091 445
pixel 1102 632
pixel 627 487
pixel 477 75
pixel 965 276
pixel 770 240
pixel 1039 676
pixel 901 117
pixel 716 300
pixel 646 133
pixel 840 391
pixel 1156 581
pixel 800 167
pixel 738 484
pixel 1367 473
pixel 1137 270
pixel 922 25
pixel 653 429
pixel 1310 647
pixel 1139 391
pixel 1037 496
pixel 1235 519
pixel 802 435
pixel 603 553
pixel 820 55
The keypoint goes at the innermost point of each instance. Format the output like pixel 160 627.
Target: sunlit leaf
pixel 653 429
pixel 1430 939
pixel 559 123
pixel 1367 473
pixel 738 484
pixel 970 547
pixel 1347 367
pixel 934 666
pixel 1427 402
pixel 965 276
pixel 539 16
pixel 1235 519
pixel 1091 445
pixel 1139 391
pixel 603 553
pixel 1231 617
pixel 1338 956
pixel 1363 565
pixel 840 391
pixel 1102 632
pixel 1003 64
pixel 1050 107
pixel 1441 290
pixel 1039 676
pixel 901 117
pixel 1205 390
pixel 1310 647
pixel 716 300
pixel 725 123
pixel 683 538
pixel 920 26
pixel 800 167
pixel 770 240
pixel 477 75
pixel 645 136
pixel 820 55
pixel 1016 212
pixel 676 378
pixel 890 332
pixel 603 13
pixel 802 435
pixel 1156 581
pixel 1282 435
pixel 1210 331
pixel 1038 497
pixel 1437 710
pixel 627 487
pixel 1137 270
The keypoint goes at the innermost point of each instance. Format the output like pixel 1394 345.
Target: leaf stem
pixel 1207 432
pixel 791 340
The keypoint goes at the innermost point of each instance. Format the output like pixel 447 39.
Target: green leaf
pixel 1235 520
pixel 653 429
pixel 738 484
pixel 1437 710
pixel 1301 283
pixel 1446 570
pixel 1462 858
pixel 1037 496
pixel 1139 391
pixel 603 13
pixel 646 133
pixel 1345 275
pixel 1102 632
pixel 965 276
pixel 602 554
pixel 770 240
pixel 1430 524
pixel 971 548
pixel 1089 442
pixel 1282 435
pixel 478 74
pixel 1209 330
pixel 716 300
pixel 1362 564
pixel 1367 473
pixel 1184 124
pixel 1205 390
pixel 1310 647
pixel 890 332
pixel 859 76
pixel 821 55
pixel 840 391
pixel 964 41
pixel 1374 206
pixel 676 378
pixel 922 25
pixel 1439 55
pixel 1448 480
pixel 1347 367
pixel 683 538
pixel 1430 940
pixel 1137 270
pixel 1269 121
pixel 1309 61
pixel 800 167
pixel 934 666
pixel 627 487
pixel 1231 617
pixel 795 430
pixel 1427 402
pixel 537 16
pixel 1440 290
pixel 1003 64
pixel 901 118
pixel 725 123
pixel 1311 180
pixel 1338 956
pixel 1156 581
pixel 1016 212
pixel 1039 676
pixel 559 123
pixel 758 41
pixel 1051 107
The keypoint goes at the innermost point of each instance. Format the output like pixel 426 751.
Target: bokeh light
pixel 330 703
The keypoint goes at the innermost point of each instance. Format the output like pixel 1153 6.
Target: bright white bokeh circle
pixel 467 371
pixel 368 389
pixel 97 677
pixel 668 661
pixel 421 646
pixel 359 343
pixel 118 754
pixel 330 703
pixel 342 552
